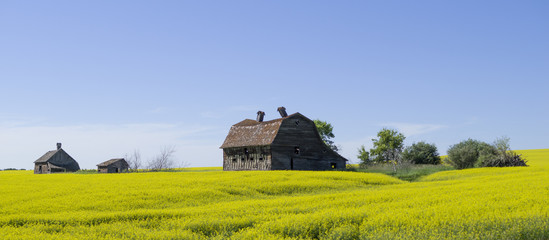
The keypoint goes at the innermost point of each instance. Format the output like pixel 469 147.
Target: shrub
pixel 421 153
pixel 470 153
pixel 505 157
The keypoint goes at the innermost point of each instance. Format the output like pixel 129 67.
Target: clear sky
pixel 107 77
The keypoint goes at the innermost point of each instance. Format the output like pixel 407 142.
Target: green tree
pixel 388 147
pixel 421 153
pixel 364 157
pixel 470 153
pixel 326 133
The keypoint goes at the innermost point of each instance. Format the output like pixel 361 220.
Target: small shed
pixel 55 161
pixel 291 142
pixel 114 165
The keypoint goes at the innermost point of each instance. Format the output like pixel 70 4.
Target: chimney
pixel 260 116
pixel 58 146
pixel 282 111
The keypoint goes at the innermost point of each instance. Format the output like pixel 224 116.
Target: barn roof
pixel 46 156
pixel 109 162
pixel 253 133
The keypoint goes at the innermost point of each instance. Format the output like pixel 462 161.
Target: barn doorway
pixel 292 163
pixel 39 169
pixel 333 165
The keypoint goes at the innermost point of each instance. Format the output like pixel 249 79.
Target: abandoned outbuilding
pixel 55 161
pixel 115 165
pixel 291 142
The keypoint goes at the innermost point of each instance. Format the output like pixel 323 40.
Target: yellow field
pixel 489 203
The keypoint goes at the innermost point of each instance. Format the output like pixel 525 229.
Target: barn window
pixel 260 159
pixel 296 150
pixel 242 159
pixel 246 151
pixel 234 159
pixel 333 165
pixel 251 159
pixel 297 122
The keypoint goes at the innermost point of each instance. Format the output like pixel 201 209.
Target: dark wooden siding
pixel 247 158
pixel 116 167
pixel 298 146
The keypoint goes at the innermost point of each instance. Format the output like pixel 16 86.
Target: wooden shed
pixel 287 143
pixel 115 165
pixel 55 161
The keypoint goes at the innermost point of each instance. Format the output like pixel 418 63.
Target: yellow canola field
pixel 488 203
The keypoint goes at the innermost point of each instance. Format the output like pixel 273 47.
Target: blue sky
pixel 107 77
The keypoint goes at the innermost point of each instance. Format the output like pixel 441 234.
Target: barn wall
pixel 247 158
pixel 62 159
pixel 298 146
pixel 44 166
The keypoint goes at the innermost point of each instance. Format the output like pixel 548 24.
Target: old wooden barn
pixel 291 142
pixel 114 165
pixel 55 161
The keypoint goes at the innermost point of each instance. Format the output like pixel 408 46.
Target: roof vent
pixel 282 111
pixel 260 116
pixel 58 146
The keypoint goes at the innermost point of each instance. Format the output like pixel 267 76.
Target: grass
pixel 481 203
pixel 411 172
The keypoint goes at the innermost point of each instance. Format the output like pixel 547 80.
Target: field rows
pixel 490 203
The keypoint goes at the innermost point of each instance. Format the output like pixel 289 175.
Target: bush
pixel 421 153
pixel 470 153
pixel 505 157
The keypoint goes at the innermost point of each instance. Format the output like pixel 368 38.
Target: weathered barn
pixel 115 165
pixel 287 143
pixel 56 161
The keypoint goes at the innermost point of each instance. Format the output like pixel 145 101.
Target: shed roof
pixel 46 156
pixel 253 133
pixel 109 162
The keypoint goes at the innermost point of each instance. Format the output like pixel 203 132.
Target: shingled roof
pixel 109 162
pixel 253 133
pixel 46 156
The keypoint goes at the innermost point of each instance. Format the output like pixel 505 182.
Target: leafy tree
pixel 470 153
pixel 388 147
pixel 421 153
pixel 364 157
pixel 326 133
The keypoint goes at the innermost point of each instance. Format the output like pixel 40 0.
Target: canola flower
pixel 484 203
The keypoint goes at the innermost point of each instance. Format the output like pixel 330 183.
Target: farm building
pixel 291 142
pixel 115 165
pixel 55 161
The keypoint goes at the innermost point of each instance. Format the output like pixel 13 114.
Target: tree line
pixel 388 148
